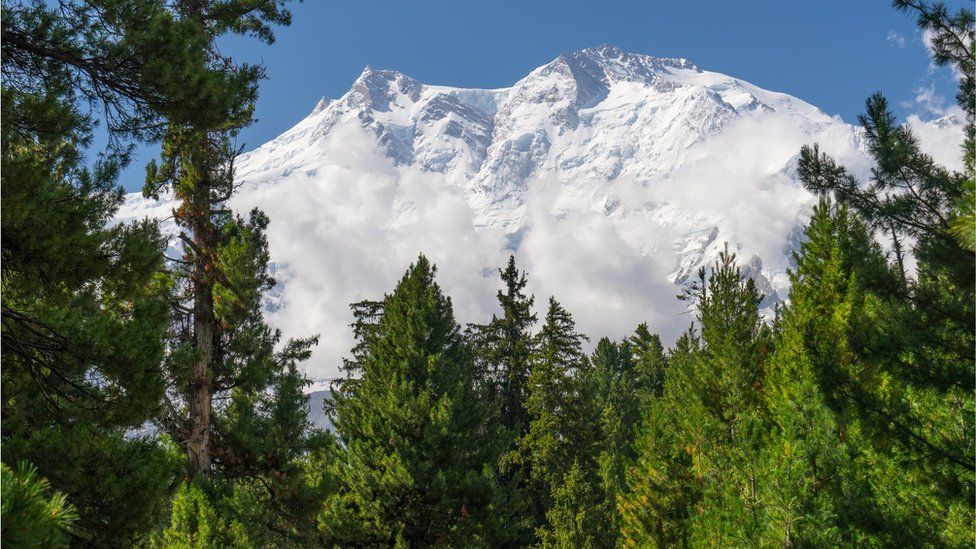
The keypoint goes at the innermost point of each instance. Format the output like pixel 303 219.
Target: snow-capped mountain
pixel 613 177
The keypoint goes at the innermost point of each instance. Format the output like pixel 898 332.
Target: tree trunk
pixel 899 255
pixel 200 388
pixel 198 444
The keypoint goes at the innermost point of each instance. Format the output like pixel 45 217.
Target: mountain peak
pixel 377 87
pixel 611 64
pixel 606 51
pixel 374 75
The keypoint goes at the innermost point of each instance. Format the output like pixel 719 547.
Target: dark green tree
pixel 910 380
pixel 650 363
pixel 505 346
pixel 413 469
pixel 84 307
pixel 616 397
pixel 32 514
pixel 561 447
pixel 228 397
pixel 503 350
pixel 661 486
pixel 221 349
pixel 234 399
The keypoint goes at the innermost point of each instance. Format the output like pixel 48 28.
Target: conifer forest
pixel 147 401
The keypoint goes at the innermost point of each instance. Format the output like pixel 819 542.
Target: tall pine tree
pixel 504 348
pixel 413 469
pixel 84 306
pixel 696 477
pixel 910 379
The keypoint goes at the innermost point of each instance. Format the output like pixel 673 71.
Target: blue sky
pixel 830 53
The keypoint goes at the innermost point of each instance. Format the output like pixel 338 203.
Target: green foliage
pixel 852 424
pixel 119 486
pixel 616 401
pixel 576 518
pixel 195 523
pixel 88 308
pixel 250 512
pixel 32 514
pixel 549 443
pixel 650 363
pixel 503 349
pixel 413 469
pixel 964 225
pixel 908 374
pixel 84 304
pixel 695 476
pixel 73 289
pixel 561 448
pixel 847 421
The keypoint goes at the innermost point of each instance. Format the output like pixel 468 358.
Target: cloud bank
pixel 345 227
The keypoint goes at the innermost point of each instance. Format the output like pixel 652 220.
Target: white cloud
pixel 346 229
pixel 336 239
pixel 895 39
pixel 347 226
pixel 927 102
pixel 939 139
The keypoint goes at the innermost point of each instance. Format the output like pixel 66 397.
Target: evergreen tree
pixel 816 485
pixel 577 516
pixel 650 363
pixel 234 399
pixel 33 516
pixel 661 486
pixel 84 306
pixel 617 404
pixel 548 445
pixel 505 345
pixel 412 468
pixel 910 376
pixel 696 476
pixel 560 448
pixel 503 349
pixel 222 348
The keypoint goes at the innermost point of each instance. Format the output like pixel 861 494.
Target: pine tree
pixel 577 516
pixel 234 400
pixel 32 515
pixel 910 376
pixel 505 344
pixel 84 307
pixel 560 448
pixel 815 484
pixel 412 468
pixel 548 444
pixel 617 404
pixel 87 336
pixel 650 363
pixel 661 486
pixel 503 349
pixel 696 476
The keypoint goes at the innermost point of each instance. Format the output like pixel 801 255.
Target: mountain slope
pixel 613 177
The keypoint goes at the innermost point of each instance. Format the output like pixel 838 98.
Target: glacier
pixel 613 177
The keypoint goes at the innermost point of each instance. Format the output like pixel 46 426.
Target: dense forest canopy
pixel 846 420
